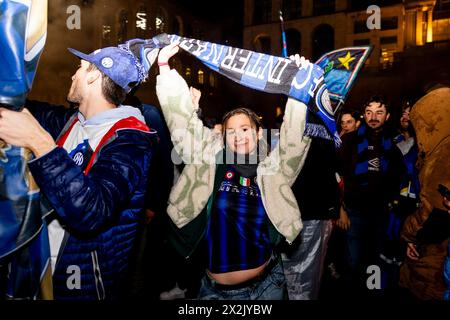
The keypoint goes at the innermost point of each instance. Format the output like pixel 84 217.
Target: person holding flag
pixel 24 249
pixel 91 163
pixel 196 205
pixel 232 199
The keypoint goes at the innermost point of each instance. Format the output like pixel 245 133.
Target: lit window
pixel 201 78
pixel 188 73
pixel 159 24
pixel 212 80
pixel 160 20
pixel 387 58
pixel 141 22
pixel 106 32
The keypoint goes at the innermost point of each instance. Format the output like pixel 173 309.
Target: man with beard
pixel 372 168
pixel 91 164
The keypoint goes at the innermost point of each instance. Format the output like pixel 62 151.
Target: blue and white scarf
pixel 259 71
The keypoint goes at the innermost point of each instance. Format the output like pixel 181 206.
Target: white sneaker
pixel 174 293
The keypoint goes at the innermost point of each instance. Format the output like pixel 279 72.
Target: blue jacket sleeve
pixel 91 203
pixel 52 118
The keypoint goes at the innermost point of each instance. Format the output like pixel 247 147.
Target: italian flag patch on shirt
pixel 244 182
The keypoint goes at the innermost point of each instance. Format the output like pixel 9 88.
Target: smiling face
pixel 240 134
pixel 375 115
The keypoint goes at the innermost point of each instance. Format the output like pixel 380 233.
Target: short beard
pixel 74 99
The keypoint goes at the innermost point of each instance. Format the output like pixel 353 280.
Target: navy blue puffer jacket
pixel 99 211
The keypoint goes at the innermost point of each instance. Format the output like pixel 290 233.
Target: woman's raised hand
pixel 168 52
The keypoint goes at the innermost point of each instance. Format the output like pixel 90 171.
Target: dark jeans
pixel 3 279
pixel 365 241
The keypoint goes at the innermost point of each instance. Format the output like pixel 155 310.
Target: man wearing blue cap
pixel 91 164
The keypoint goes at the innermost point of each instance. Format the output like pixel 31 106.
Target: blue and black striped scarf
pixel 309 83
pixel 258 71
pixel 362 164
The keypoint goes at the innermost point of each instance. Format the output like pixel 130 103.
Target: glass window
pixel 188 73
pixel 322 41
pixel 360 26
pixel 443 5
pixel 441 10
pixel 388 40
pixel 189 31
pixel 262 11
pixel 176 28
pixel 212 80
pixel 160 20
pixel 262 44
pixel 201 76
pixel 387 58
pixel 293 41
pixel 141 22
pixel 323 7
pixel 106 32
pixel 122 32
pixel 361 5
pixel 292 9
pixel 389 23
pixel 361 42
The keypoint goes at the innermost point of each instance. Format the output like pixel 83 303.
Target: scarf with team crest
pixel 306 83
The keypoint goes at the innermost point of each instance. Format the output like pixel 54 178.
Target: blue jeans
pixel 366 236
pixel 365 241
pixel 270 286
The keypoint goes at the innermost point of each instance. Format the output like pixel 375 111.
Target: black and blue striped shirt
pixel 237 233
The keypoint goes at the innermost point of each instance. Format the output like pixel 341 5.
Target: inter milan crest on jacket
pixel 82 154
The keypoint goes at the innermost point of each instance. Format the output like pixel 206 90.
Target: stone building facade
pixel 411 47
pixel 87 25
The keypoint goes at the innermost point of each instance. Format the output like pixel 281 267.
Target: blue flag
pixel 24 245
pixel 341 68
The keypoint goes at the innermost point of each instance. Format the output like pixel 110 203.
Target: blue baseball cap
pixel 118 64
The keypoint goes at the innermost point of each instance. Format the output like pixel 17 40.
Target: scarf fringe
pixel 317 130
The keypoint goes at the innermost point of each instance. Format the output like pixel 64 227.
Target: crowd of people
pixel 153 203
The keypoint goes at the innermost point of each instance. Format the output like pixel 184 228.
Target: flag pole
pixel 338 107
pixel 283 35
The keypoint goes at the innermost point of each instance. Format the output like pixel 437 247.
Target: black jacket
pixel 316 188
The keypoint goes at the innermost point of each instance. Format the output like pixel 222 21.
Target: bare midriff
pixel 236 277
